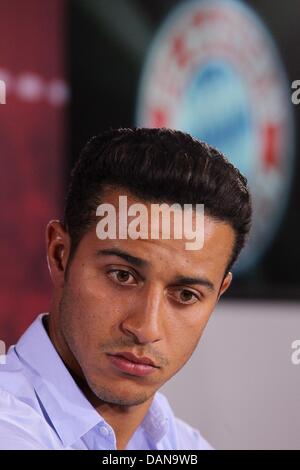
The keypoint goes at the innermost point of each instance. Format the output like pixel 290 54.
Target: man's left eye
pixel 186 296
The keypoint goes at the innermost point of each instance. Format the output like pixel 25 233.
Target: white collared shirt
pixel 41 407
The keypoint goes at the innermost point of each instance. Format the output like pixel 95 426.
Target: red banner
pixel 32 153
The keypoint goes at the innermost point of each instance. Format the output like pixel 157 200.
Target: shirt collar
pixel 71 414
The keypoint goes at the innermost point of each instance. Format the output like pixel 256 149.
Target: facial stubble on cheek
pixel 115 392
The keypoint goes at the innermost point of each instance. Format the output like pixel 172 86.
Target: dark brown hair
pixel 160 165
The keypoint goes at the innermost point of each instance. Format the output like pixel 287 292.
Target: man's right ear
pixel 58 244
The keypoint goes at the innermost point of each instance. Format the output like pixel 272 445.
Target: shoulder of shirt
pixel 18 405
pixel 183 435
pixel 13 378
pixel 17 418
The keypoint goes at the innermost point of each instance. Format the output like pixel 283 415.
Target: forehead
pixel 170 253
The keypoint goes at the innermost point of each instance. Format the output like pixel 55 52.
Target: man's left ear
pixel 225 284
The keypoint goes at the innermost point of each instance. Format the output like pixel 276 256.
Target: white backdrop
pixel 240 388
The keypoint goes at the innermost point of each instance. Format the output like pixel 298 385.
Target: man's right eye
pixel 121 276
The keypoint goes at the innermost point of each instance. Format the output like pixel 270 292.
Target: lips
pixel 131 364
pixel 137 360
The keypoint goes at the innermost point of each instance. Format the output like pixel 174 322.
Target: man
pixel 127 312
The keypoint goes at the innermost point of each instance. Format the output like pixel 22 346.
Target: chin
pixel 121 399
pixel 117 395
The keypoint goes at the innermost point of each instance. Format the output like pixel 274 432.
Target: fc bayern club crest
pixel 213 71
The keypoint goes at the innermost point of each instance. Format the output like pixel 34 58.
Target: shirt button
pixel 104 431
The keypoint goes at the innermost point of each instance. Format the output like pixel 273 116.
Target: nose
pixel 144 320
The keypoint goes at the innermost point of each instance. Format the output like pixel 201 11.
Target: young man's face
pixel 110 304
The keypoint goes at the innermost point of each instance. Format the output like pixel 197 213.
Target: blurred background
pixel 221 70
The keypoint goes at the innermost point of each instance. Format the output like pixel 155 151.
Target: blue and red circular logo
pixel 213 71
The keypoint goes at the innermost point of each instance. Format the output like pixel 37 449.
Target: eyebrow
pixel 195 280
pixel 139 262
